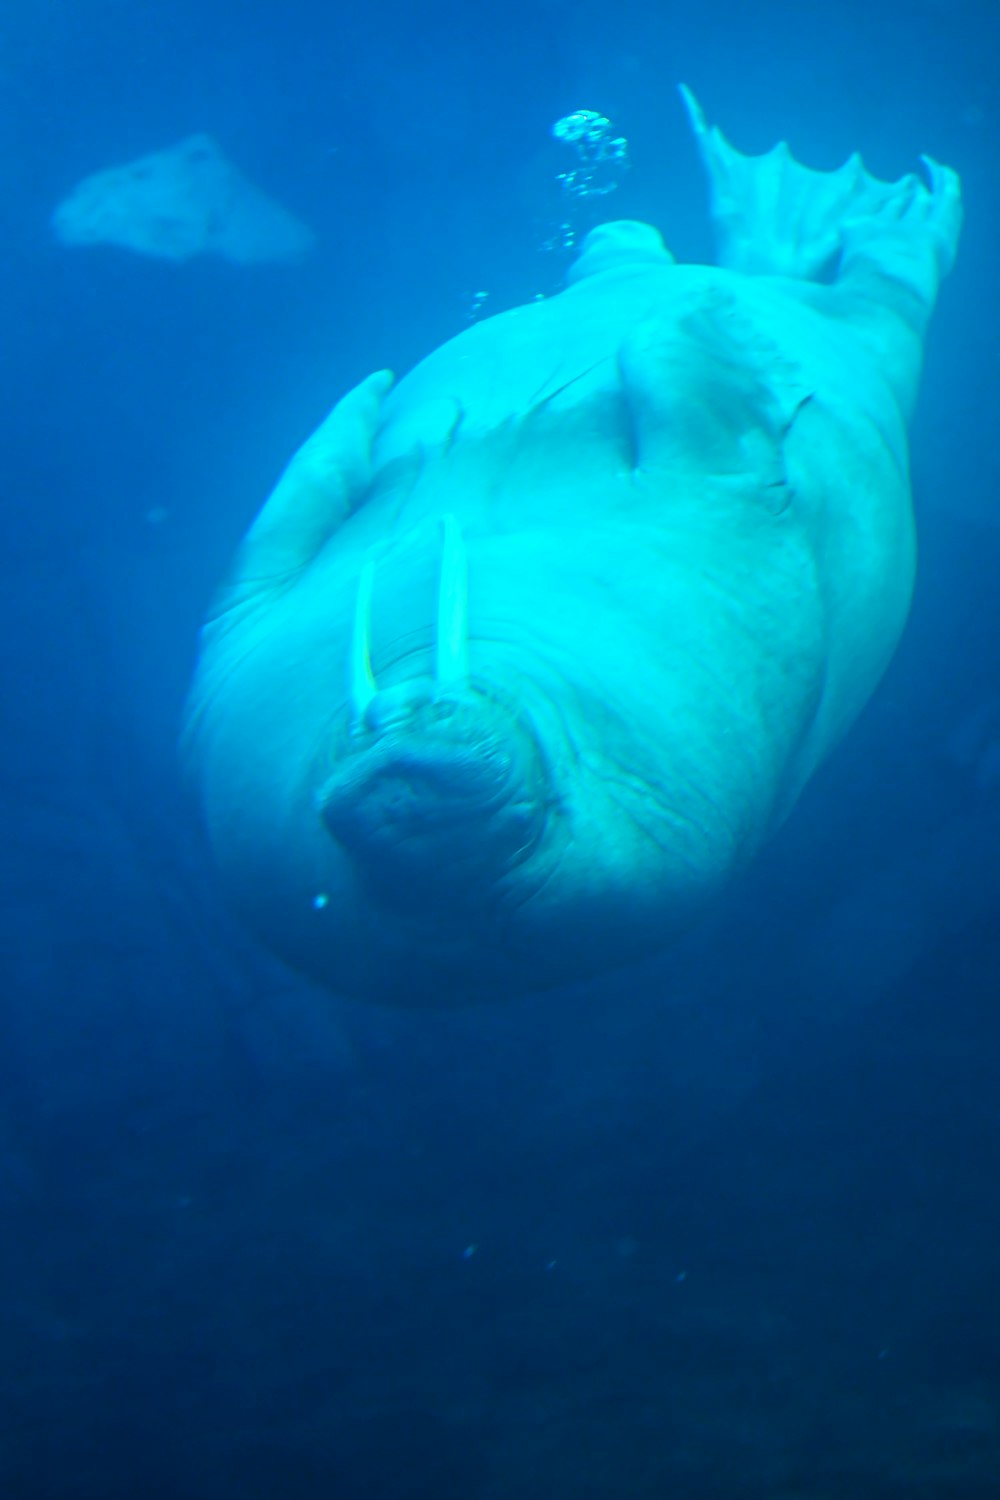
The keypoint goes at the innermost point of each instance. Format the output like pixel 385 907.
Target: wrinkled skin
pixel 526 656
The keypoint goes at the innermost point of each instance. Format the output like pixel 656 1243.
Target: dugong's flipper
pixel 323 483
pixel 776 217
pixel 888 244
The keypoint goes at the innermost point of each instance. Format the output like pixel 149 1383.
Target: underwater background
pixel 724 1225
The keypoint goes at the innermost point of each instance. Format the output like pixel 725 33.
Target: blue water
pixel 724 1226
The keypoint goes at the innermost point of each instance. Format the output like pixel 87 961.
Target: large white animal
pixel 526 655
pixel 175 204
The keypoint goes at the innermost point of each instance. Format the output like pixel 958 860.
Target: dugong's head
pixel 524 657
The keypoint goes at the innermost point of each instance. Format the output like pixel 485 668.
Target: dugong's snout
pixel 439 789
pixel 440 805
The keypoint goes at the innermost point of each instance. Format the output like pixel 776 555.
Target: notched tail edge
pixel 775 217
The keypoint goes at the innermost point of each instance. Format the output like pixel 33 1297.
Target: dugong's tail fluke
pixel 775 217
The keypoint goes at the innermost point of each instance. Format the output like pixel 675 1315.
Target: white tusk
pixel 363 688
pixel 451 647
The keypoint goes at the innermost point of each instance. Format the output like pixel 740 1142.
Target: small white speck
pixel 469 1251
pixel 550 1265
pixel 321 900
pixel 681 1276
pixel 883 1353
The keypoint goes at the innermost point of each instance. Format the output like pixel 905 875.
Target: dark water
pixel 727 1226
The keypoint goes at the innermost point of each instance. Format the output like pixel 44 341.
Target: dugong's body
pixel 525 657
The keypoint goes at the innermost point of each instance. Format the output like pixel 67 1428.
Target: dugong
pixel 526 655
pixel 175 204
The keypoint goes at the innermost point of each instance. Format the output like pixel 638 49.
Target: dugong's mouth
pixel 441 805
pixel 438 789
